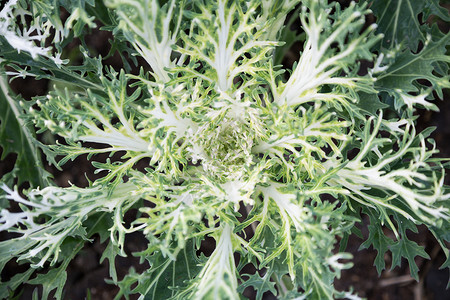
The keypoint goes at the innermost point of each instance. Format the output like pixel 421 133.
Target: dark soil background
pixel 87 276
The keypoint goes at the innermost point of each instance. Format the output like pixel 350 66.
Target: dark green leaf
pixel 6 288
pixel 409 250
pixel 399 20
pixel 16 137
pixel 260 284
pixel 53 279
pixel 379 242
pixel 110 253
pixel 166 277
pixel 370 103
pixel 409 67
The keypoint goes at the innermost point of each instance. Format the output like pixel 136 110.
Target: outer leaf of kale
pixel 370 103
pixel 399 20
pixel 10 248
pixel 85 76
pixel 16 137
pixel 261 284
pixel 408 67
pixel 9 287
pixel 409 250
pixel 442 235
pixel 166 278
pixel 379 242
pixel 406 248
pixel 53 279
pixel 110 253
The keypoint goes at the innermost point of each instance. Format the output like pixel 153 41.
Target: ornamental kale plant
pixel 217 136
